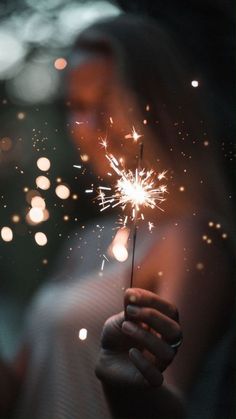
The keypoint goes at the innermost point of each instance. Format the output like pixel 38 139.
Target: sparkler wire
pixel 135 231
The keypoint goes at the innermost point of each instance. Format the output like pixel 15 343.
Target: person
pixel 126 72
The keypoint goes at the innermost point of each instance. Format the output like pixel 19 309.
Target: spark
pixel 150 226
pixel 133 135
pixel 77 166
pixel 105 258
pixel 79 122
pixel 136 189
pixel 162 175
pixel 104 143
pixel 103 263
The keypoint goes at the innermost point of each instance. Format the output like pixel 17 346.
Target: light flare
pixel 134 135
pixel 138 189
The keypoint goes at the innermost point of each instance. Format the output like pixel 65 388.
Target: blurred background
pixel 42 195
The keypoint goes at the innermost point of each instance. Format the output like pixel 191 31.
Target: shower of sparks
pixel 137 189
pixel 134 135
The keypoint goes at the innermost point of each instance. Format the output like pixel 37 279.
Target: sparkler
pixel 137 190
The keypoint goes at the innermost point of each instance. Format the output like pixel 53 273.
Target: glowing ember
pixel 6 234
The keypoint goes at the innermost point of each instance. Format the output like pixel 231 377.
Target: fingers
pixel 162 324
pixel 147 307
pixel 150 373
pixel 141 297
pixel 150 341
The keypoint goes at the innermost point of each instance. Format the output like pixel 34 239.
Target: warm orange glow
pixel 46 215
pixel 5 144
pixel 84 157
pixel 118 247
pixel 15 218
pixel 60 63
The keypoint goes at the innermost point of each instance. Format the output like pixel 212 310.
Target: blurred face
pixel 101 109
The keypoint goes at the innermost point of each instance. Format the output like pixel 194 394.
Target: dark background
pixel 205 29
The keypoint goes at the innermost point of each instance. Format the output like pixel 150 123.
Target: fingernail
pixel 133 298
pixel 129 328
pixel 135 354
pixel 132 310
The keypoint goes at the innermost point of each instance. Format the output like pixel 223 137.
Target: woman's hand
pixel 136 344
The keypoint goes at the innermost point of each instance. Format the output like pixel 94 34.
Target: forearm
pixel 9 387
pixel 148 403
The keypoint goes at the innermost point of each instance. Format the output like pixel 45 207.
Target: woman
pixel 125 72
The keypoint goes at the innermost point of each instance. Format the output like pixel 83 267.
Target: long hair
pixel 179 117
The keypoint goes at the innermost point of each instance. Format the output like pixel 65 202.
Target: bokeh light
pixel 120 252
pixel 43 182
pixel 36 215
pixel 40 238
pixel 5 144
pixel 194 83
pixel 62 191
pixel 43 164
pixel 38 202
pixel 7 234
pixel 60 63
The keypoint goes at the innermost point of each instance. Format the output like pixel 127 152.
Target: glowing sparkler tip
pixel 134 135
pixel 137 189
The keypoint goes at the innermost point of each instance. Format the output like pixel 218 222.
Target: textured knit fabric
pixel 61 383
